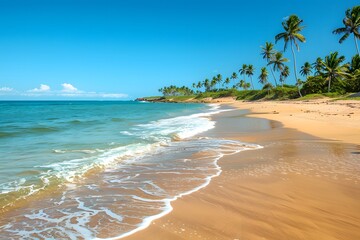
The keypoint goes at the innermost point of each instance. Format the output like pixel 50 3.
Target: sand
pixel 304 183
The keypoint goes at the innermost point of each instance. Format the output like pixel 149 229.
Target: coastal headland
pixel 304 183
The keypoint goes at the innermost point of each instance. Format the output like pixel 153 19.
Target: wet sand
pixel 304 183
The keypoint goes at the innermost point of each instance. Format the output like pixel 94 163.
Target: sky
pixel 121 50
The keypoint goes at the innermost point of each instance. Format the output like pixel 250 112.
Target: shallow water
pixel 86 170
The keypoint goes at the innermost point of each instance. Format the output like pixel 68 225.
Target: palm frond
pixel 343 38
pixel 340 30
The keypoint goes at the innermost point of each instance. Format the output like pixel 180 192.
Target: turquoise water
pixel 42 140
pixel 86 170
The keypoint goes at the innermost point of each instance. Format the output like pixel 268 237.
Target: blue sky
pixel 102 49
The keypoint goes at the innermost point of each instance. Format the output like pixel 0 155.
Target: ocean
pixel 101 169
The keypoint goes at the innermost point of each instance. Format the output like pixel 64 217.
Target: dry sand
pixel 304 183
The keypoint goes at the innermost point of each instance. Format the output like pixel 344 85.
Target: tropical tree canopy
pixel 278 61
pixel 317 65
pixel 306 69
pixel 332 68
pixel 176 91
pixel 292 33
pixel 268 51
pixel 250 72
pixel 243 69
pixel 285 73
pixel 351 25
pixel 263 76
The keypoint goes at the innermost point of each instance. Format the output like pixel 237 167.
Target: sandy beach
pixel 304 183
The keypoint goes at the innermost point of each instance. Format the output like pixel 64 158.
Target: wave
pixel 16 131
pixel 143 188
pixel 153 135
pixel 162 139
pixel 179 128
pixel 41 129
pixel 82 122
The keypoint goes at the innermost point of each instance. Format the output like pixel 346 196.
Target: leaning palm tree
pixel 234 77
pixel 332 68
pixel 285 73
pixel 306 69
pixel 250 72
pixel 317 65
pixel 292 33
pixel 267 53
pixel 351 26
pixel 263 77
pixel 242 71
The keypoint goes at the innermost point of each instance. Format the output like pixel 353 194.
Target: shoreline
pixel 197 216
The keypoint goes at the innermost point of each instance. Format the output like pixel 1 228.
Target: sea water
pixel 101 170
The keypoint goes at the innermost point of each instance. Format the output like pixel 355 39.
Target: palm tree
pixel 226 82
pixel 354 66
pixel 268 53
pixel 250 72
pixel 244 84
pixel 306 69
pixel 199 85
pixel 292 33
pixel 263 77
pixel 285 73
pixel 242 71
pixel 317 65
pixel 213 83
pixel 351 26
pixel 268 87
pixel 332 68
pixel 219 79
pixel 278 62
pixel 234 77
pixel 206 85
pixel 194 85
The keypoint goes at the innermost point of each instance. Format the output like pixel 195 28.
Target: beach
pixel 304 183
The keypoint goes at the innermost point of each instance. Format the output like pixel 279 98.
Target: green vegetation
pixel 329 76
pixel 176 91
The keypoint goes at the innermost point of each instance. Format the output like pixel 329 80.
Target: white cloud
pixel 42 88
pixel 68 91
pixel 68 88
pixel 6 89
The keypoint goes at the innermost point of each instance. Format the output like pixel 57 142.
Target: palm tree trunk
pixel 272 72
pixel 356 44
pixel 296 79
pixel 252 85
pixel 329 84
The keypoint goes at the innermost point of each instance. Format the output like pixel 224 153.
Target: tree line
pixel 328 74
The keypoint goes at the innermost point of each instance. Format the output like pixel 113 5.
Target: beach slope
pixel 304 183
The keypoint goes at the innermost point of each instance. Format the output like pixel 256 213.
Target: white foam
pixel 168 208
pixel 183 127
